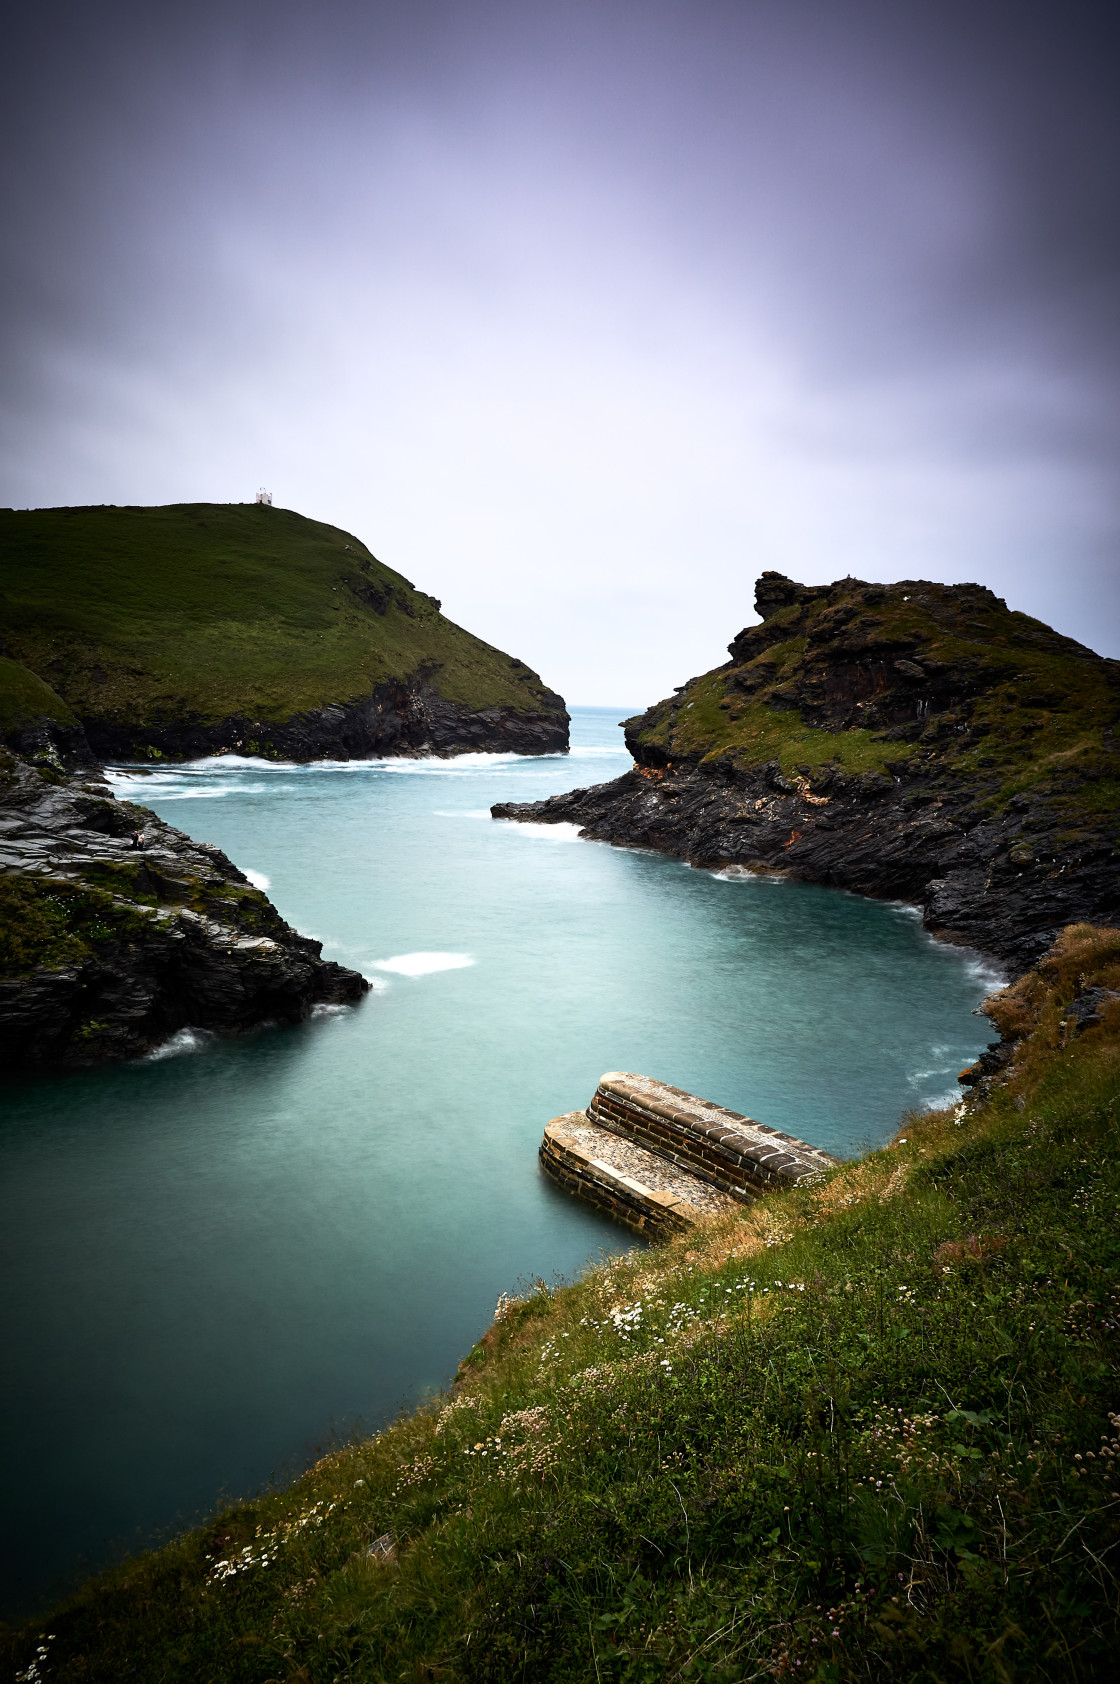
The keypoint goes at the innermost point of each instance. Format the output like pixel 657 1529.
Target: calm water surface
pixel 215 1258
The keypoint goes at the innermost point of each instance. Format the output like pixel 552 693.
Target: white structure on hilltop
pixel 263 496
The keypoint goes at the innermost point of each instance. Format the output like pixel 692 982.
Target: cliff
pixel 202 628
pixel 107 950
pixel 916 741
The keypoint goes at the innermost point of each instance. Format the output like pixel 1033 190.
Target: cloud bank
pixel 582 315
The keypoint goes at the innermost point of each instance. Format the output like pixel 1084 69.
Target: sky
pixel 581 315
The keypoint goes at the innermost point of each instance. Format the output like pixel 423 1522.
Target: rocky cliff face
pixel 915 741
pixel 106 950
pixel 402 717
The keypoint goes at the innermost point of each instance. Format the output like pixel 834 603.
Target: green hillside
pixel 862 1430
pixel 25 699
pixel 140 616
pixel 875 678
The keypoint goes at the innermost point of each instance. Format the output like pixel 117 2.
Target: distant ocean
pixel 216 1257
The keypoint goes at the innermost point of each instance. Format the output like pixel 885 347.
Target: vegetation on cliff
pixel 883 678
pixel 144 618
pixel 107 949
pixel 867 1429
pixel 25 700
pixel 917 741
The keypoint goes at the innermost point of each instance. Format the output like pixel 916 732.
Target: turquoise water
pixel 215 1258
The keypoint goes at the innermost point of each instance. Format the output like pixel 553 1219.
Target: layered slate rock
pixel 107 949
pixel 660 1161
pixel 916 741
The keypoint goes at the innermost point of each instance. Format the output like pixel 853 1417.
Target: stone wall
pixel 646 1210
pixel 730 1151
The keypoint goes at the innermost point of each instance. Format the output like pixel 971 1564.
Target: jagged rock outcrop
pixel 106 950
pixel 914 741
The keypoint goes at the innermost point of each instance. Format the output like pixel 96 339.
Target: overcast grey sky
pixel 581 315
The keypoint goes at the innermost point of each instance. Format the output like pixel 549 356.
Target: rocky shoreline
pixel 397 718
pixel 108 949
pixel 954 807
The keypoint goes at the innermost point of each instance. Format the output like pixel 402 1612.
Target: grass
pixel 865 1430
pixel 25 699
pixel 206 611
pixel 1020 709
pixel 751 733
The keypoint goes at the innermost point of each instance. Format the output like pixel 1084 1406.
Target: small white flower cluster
pixel 533 1455
pixel 626 1318
pixel 463 1401
pixel 262 1552
pixel 597 1379
pixel 907 1295
pixel 32 1673
pixel 414 1473
pixel 506 1303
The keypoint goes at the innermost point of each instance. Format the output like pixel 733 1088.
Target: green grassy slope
pixel 867 1430
pixel 1010 704
pixel 25 699
pixel 139 615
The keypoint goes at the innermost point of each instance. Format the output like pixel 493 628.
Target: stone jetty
pixel 662 1161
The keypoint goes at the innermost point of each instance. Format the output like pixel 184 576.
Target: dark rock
pixel 933 668
pixel 1085 1011
pixel 395 719
pixel 153 940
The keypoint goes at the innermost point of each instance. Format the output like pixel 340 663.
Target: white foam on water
pixel 938 1070
pixel 183 1041
pixel 941 1101
pixel 456 765
pixel 214 793
pixel 461 813
pixel 744 874
pixel 182 784
pixel 256 878
pixel 424 964
pixel 987 972
pixel 326 1008
pixel 564 832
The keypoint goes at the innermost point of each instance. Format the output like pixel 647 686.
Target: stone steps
pixel 662 1161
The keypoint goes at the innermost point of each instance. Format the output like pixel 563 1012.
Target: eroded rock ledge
pixel 106 950
pixel 917 742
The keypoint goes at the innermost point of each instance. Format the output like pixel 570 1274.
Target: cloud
pixel 583 315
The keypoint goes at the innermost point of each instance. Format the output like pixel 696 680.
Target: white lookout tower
pixel 264 497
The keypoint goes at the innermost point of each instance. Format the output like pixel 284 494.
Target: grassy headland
pixel 918 741
pixel 143 617
pixel 865 1430
pixel 875 679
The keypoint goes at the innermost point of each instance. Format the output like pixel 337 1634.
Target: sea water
pixel 217 1258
